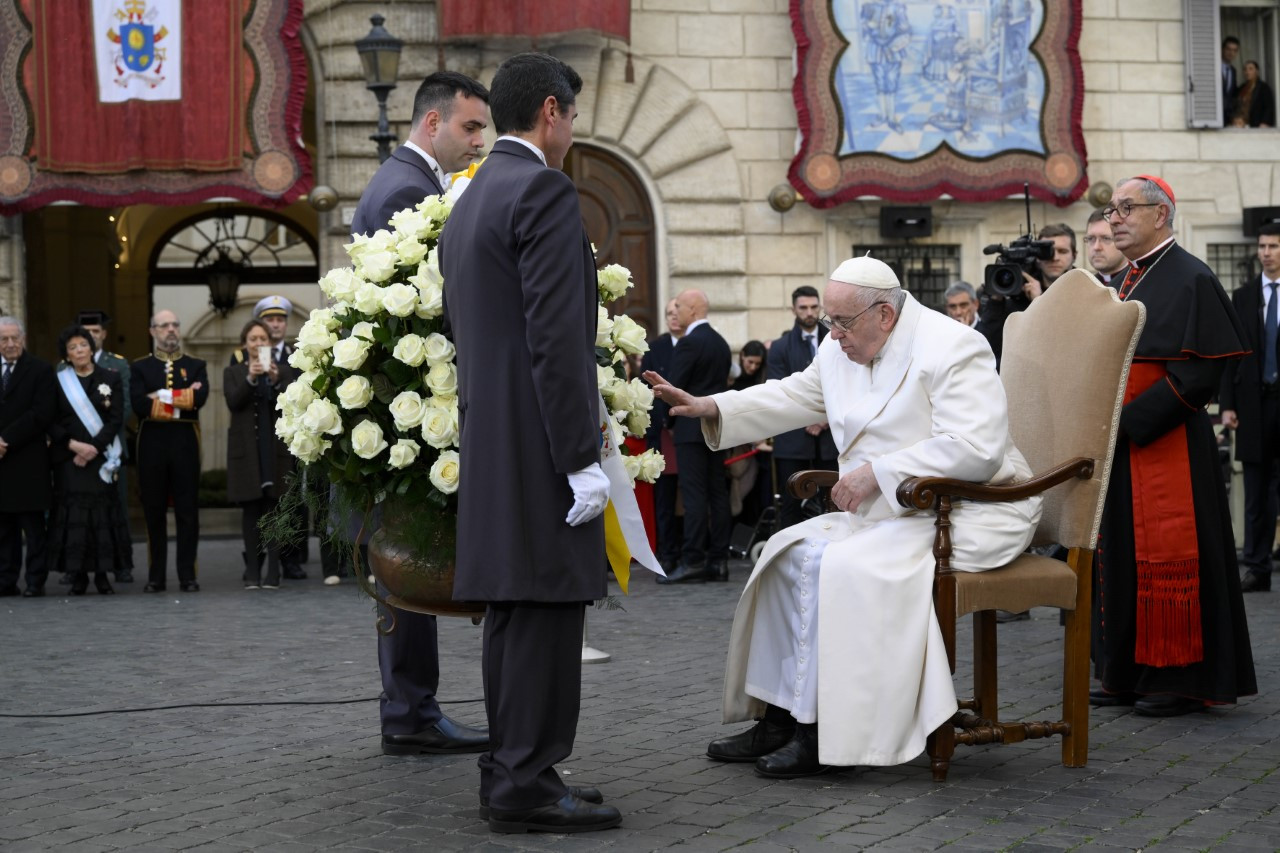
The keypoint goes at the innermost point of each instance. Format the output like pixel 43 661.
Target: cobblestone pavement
pixel 312 777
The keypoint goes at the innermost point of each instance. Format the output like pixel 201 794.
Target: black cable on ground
pixel 209 705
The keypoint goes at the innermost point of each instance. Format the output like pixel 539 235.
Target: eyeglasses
pixel 1124 208
pixel 174 325
pixel 846 326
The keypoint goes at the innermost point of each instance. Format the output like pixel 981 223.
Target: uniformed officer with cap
pixel 168 388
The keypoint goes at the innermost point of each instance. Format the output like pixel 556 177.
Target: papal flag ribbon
pixel 624 535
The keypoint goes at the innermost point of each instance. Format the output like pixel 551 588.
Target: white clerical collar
pixel 527 144
pixel 431 161
pixel 688 330
pixel 1134 262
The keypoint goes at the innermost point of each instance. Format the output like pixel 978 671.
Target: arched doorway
pixel 620 223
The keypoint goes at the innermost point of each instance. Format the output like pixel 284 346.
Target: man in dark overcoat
pixel 1250 404
pixel 28 396
pixel 450 113
pixel 520 297
pixel 658 359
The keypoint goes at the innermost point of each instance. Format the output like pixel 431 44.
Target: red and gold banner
pixel 533 18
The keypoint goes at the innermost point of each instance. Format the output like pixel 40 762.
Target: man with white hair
pixel 836 623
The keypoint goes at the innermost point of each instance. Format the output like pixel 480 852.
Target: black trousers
pixel 409 660
pixel 705 492
pixel 532 693
pixel 13 527
pixel 791 512
pixel 169 465
pixel 1260 501
pixel 665 491
pixel 251 513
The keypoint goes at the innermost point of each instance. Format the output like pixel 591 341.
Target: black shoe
pixel 1166 705
pixel 65 578
pixel 567 814
pixel 758 741
pixel 189 586
pixel 446 736
pixel 79 584
pixel 294 573
pixel 102 585
pixel 587 795
pixel 33 592
pixel 686 574
pixel 124 576
pixel 718 571
pixel 1004 617
pixel 153 587
pixel 1105 699
pixel 799 757
pixel 1255 582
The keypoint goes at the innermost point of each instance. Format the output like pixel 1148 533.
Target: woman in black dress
pixel 87 520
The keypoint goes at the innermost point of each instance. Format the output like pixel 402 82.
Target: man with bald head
pixel 167 390
pixel 836 625
pixel 700 364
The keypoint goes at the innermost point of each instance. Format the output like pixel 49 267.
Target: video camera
pixel 1004 277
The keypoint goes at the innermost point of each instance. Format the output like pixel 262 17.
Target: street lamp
pixel 380 56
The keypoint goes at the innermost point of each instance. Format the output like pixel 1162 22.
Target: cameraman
pixel 996 309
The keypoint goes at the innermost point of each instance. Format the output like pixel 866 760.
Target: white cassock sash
pixel 92 421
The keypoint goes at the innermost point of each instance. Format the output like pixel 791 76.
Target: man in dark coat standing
pixel 450 113
pixel 1169 629
pixel 1250 403
pixel 811 447
pixel 701 365
pixel 28 395
pixel 520 297
pixel 658 359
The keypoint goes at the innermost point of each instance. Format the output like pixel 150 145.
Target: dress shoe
pixel 588 795
pixel 445 737
pixel 686 574
pixel 1166 705
pixel 758 741
pixel 567 814
pixel 294 573
pixel 1255 582
pixel 153 587
pixel 1004 617
pixel 79 584
pixel 33 592
pixel 718 571
pixel 1105 699
pixel 799 757
pixel 124 576
pixel 65 578
pixel 189 586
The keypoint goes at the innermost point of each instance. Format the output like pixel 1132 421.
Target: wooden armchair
pixel 1066 361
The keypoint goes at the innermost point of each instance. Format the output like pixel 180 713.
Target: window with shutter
pixel 1203 63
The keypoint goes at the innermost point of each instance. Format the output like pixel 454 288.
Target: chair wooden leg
pixel 1075 665
pixel 940 746
pixel 985 688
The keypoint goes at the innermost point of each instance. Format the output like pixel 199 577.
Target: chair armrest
pixel 923 492
pixel 805 484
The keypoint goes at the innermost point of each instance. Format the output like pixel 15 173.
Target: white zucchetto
pixel 866 272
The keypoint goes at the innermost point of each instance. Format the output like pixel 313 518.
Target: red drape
pixel 477 18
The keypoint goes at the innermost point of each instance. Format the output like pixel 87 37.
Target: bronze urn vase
pixel 419 579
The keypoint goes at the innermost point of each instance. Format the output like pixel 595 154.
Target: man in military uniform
pixel 95 323
pixel 168 388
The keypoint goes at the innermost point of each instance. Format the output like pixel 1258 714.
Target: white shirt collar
pixel 445 180
pixel 1134 262
pixel 527 144
pixel 695 324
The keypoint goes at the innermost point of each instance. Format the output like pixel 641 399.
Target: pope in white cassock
pixel 836 623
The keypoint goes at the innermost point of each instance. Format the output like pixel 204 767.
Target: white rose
pixel 404 452
pixel 622 397
pixel 605 380
pixel 411 349
pixel 308 378
pixel 296 397
pixel 368 298
pixel 439 428
pixel 442 379
pixel 456 189
pixel 439 349
pixel 444 473
pixel 355 392
pixel 643 395
pixel 430 286
pixel 315 338
pixel 308 447
pixel 435 208
pixel 410 223
pixel 604 328
pixel 638 423
pixel 325 317
pixel 349 353
pixel 633 465
pixel 322 417
pixel 364 329
pixel 358 246
pixel 613 282
pixel 410 251
pixel 378 266
pixel 366 440
pixel 287 428
pixel 407 409
pixel 651 465
pixel 302 360
pixel 400 299
pixel 628 335
pixel 339 285
pixel 381 241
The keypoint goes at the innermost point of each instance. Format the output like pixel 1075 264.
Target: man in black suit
pixel 167 389
pixel 27 396
pixel 702 361
pixel 811 447
pixel 1230 80
pixel 1250 402
pixel 450 113
pixel 658 359
pixel 520 297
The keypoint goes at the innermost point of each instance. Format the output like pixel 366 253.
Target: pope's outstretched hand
pixel 682 403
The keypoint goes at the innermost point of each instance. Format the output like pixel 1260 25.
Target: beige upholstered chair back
pixel 1065 365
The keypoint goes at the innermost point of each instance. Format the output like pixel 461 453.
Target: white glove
pixel 590 494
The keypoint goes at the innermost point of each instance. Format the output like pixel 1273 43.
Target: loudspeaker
pixel 1256 217
pixel 906 222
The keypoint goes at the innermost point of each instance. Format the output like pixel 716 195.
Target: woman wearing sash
pixel 86 454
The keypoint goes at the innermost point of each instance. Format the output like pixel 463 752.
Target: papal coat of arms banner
pixel 909 100
pixel 114 102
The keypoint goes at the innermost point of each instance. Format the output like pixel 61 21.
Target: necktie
pixel 4 383
pixel 1269 361
pixel 813 344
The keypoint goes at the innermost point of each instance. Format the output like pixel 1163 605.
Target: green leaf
pixel 383 388
pixel 403 487
pixel 382 336
pixel 399 373
pixel 438 498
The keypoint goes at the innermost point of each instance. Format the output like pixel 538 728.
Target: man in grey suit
pixel 450 113
pixel 520 297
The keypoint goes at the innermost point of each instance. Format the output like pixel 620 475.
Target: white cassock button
pixel 826 527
